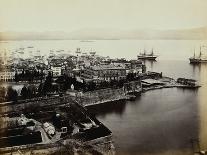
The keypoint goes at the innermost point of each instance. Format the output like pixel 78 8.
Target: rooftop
pixel 107 67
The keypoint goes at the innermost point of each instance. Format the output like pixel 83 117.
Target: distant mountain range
pixel 99 34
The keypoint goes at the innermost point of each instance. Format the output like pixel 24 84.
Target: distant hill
pixel 95 34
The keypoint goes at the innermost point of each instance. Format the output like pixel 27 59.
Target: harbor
pixel 156 117
pixel 115 95
pixel 52 137
pixel 88 77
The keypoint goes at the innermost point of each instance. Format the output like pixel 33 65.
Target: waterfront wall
pixel 84 99
pixel 133 87
pixel 109 95
pixel 101 96
pixel 34 104
pixel 89 98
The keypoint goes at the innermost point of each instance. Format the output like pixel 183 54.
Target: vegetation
pixel 29 76
pixel 60 85
pixel 2 94
pixel 11 94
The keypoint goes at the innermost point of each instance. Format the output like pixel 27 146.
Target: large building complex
pixel 104 72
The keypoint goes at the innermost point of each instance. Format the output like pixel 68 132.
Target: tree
pixel 11 94
pixel 40 89
pixel 48 84
pixel 91 86
pixel 16 77
pixel 24 92
pixel 41 75
pixel 2 94
pixel 31 91
pixel 131 76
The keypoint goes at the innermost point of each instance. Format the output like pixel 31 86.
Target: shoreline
pixel 173 86
pixel 114 94
pixel 97 97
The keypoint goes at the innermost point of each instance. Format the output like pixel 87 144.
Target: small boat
pixel 21 52
pixel 86 41
pixel 78 51
pixel 92 53
pixel 30 47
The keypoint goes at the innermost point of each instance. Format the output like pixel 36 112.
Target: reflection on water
pixel 203 105
pixel 149 63
pixel 161 121
pixel 175 68
pixel 103 109
pixel 196 68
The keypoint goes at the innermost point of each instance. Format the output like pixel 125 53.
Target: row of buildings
pixel 113 70
pixel 86 67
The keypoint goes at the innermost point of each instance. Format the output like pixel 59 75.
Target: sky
pixel 73 15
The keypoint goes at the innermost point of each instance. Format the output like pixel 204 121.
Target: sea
pixel 169 121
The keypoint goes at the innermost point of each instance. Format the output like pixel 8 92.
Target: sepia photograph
pixel 103 77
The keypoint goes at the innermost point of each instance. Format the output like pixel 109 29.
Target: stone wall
pixel 101 96
pixel 34 104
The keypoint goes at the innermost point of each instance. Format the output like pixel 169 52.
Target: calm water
pixel 166 49
pixel 159 121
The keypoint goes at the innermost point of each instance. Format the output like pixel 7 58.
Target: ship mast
pixel 200 53
pixel 144 51
pixel 194 54
pixel 152 52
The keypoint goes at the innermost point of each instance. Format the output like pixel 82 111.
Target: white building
pixel 56 70
pixel 7 75
pixel 3 58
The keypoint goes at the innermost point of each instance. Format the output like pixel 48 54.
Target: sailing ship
pixel 145 56
pixel 200 58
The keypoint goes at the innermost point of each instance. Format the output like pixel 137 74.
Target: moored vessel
pixel 145 56
pixel 198 59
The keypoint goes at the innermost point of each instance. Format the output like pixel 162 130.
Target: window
pixel 64 129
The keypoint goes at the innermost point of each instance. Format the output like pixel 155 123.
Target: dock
pixel 167 82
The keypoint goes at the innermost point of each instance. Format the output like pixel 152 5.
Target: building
pixel 104 73
pixel 56 70
pixel 3 58
pixel 190 82
pixel 132 66
pixel 7 75
pixel 137 66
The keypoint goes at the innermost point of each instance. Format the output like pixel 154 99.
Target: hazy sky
pixel 70 15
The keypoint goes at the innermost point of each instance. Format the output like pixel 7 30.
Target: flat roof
pixel 152 81
pixel 107 67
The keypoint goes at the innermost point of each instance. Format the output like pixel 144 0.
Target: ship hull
pixel 146 58
pixel 197 61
